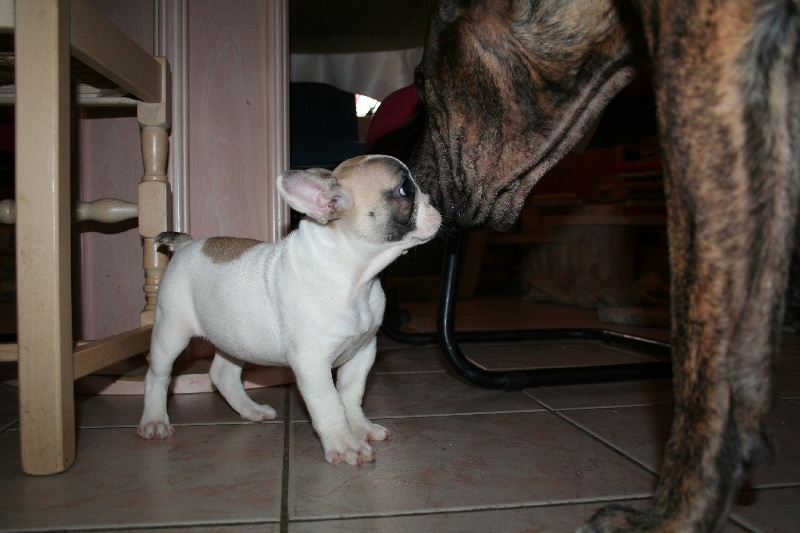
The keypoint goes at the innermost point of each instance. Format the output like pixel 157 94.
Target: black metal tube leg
pixel 446 322
pixel 535 377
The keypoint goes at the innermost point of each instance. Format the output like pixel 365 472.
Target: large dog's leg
pixel 727 84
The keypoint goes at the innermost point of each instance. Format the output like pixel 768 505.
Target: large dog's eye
pixel 407 189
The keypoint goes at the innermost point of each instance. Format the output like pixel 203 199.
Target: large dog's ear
pixel 314 192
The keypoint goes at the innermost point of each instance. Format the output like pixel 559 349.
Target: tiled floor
pixel 460 458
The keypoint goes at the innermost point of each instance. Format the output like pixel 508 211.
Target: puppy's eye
pixel 406 189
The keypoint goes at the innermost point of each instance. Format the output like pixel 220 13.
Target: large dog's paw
pixel 347 448
pixel 615 519
pixel 157 429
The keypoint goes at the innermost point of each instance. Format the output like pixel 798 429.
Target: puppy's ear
pixel 314 192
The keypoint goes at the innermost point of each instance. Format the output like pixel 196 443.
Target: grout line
pixel 401 372
pixel 739 523
pixel 742 521
pixel 607 444
pixel 179 424
pixel 599 407
pixel 444 415
pixel 159 526
pixel 600 500
pixel 771 486
pixel 600 439
pixel 284 520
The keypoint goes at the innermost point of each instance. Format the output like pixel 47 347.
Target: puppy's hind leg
pixel 226 375
pixel 165 347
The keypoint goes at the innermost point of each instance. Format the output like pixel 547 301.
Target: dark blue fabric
pixel 323 126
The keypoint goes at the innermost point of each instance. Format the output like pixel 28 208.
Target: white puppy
pixel 311 302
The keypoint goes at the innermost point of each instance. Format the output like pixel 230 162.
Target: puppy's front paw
pixel 370 431
pixel 349 450
pixel 155 430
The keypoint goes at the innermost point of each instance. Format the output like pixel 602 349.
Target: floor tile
pixel 259 527
pixel 202 475
pixel 769 510
pixel 459 463
pixel 549 518
pixel 460 458
pixel 409 359
pixel 790 345
pixel 184 409
pixel 428 393
pixel 540 354
pixel 622 394
pixel 787 377
pixel 642 432
pixel 526 519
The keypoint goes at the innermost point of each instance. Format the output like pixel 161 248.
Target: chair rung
pixel 99 354
pixel 9 352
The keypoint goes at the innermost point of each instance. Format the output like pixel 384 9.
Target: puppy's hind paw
pixel 258 413
pixel 155 430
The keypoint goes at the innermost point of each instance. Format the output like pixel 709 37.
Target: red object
pixel 395 110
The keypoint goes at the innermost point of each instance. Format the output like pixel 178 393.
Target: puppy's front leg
pixel 351 381
pixel 328 417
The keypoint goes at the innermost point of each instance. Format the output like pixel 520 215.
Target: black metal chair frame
pixel 514 380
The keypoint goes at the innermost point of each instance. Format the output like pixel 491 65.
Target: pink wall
pixel 228 141
pixel 228 119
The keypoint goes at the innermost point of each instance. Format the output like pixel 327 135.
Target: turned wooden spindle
pixel 154 195
pixel 106 210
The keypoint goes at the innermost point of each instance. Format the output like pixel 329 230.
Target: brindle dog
pixel 511 85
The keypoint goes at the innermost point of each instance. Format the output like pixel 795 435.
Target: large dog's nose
pixel 460 212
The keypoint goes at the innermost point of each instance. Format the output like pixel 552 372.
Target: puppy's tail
pixel 172 239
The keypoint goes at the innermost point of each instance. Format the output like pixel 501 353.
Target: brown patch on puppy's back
pixel 227 249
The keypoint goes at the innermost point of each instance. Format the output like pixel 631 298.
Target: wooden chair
pixel 47 34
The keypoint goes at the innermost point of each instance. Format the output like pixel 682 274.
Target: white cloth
pixel 374 74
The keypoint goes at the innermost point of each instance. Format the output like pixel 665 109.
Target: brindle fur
pixel 510 86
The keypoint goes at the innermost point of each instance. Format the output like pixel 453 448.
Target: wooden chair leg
pixel 154 194
pixel 47 410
